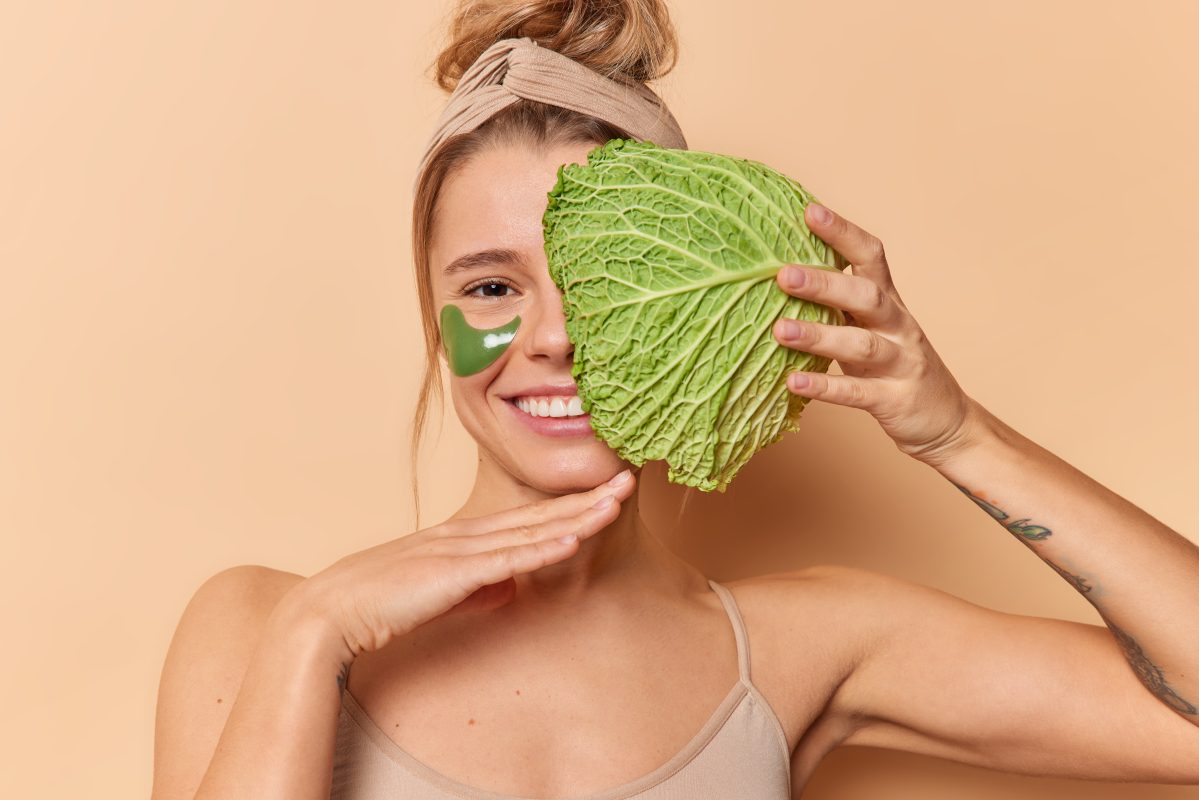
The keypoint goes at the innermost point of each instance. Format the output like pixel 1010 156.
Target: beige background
pixel 207 321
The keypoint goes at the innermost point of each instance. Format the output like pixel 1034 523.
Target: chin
pixel 571 473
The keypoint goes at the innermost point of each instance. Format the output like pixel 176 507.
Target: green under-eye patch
pixel 471 349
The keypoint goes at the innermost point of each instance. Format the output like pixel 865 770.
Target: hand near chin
pixel 368 598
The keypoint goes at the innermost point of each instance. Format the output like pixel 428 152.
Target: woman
pixel 542 642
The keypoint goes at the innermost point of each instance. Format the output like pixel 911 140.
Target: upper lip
pixel 545 390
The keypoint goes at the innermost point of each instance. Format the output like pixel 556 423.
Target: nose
pixel 546 337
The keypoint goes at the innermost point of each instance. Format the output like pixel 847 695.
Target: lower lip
pixel 554 426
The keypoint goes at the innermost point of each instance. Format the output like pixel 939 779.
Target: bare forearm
pixel 1142 576
pixel 278 740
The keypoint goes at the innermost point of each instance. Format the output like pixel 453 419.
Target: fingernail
pixel 793 277
pixel 605 501
pixel 620 479
pixel 791 329
pixel 820 213
pixel 798 380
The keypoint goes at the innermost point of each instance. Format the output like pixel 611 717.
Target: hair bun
pixel 629 39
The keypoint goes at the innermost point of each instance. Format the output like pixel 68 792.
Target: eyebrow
pixel 484 258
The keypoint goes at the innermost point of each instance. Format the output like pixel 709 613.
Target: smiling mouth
pixel 557 406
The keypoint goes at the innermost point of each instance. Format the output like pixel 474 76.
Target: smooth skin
pixel 523 666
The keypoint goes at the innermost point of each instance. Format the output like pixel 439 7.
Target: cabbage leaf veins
pixel 666 260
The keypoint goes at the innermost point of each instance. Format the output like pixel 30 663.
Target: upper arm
pixel 202 672
pixel 940 676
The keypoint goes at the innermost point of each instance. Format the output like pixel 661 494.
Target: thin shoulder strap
pixel 730 607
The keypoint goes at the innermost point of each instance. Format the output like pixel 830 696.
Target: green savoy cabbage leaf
pixel 666 260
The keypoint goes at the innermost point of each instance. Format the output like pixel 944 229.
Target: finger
pixel 582 524
pixel 861 249
pixel 543 510
pixel 492 566
pixel 848 345
pixel 840 389
pixel 861 296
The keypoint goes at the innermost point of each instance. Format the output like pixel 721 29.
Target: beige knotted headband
pixel 520 68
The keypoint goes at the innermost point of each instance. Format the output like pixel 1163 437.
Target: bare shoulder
pixel 247 587
pixel 813 629
pixel 201 674
pixel 809 629
pixel 224 616
pixel 832 600
pixel 840 609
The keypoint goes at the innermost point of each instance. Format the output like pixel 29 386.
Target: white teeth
pixel 555 406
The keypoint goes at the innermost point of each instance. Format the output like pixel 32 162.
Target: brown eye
pixel 491 288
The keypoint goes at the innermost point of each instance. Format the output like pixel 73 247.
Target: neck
pixel 624 555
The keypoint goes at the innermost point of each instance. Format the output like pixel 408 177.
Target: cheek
pixel 480 416
pixel 469 398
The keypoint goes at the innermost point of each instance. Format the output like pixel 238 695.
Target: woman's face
pixel 495 203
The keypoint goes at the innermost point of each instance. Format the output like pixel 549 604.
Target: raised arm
pixel 985 670
pixel 937 675
pixel 1140 575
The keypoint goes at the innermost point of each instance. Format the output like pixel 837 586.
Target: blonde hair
pixel 626 40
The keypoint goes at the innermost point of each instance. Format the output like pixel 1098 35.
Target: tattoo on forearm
pixel 1149 673
pixel 1146 671
pixel 1076 581
pixel 1027 533
pixel 1019 527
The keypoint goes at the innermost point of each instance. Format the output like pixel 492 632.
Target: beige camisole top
pixel 740 752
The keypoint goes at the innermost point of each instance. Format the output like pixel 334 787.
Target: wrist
pixel 978 426
pixel 298 624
